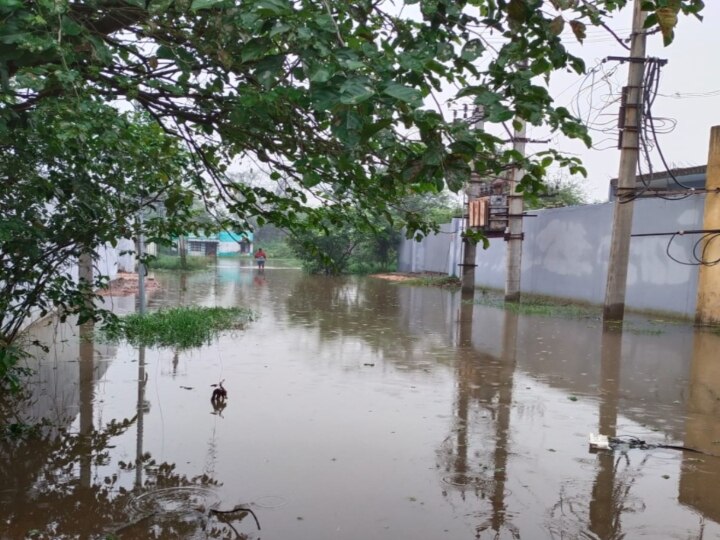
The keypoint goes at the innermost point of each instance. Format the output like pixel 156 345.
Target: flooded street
pixel 363 409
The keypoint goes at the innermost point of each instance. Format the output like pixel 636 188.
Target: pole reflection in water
pixel 484 383
pixel 142 408
pixel 606 503
pixel 86 396
pixel 502 433
pixel 700 478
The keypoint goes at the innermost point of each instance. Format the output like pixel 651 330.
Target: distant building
pixel 201 245
pixel 222 243
pixel 679 179
pixel 230 242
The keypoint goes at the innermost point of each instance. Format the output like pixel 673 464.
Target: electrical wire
pixel 699 259
pixel 649 129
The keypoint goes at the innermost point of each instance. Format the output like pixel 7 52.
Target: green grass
pixel 542 307
pixel 182 327
pixel 169 262
pixel 432 281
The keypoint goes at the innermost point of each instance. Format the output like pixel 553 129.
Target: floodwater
pixel 362 409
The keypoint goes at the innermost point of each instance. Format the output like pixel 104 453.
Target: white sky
pixel 693 67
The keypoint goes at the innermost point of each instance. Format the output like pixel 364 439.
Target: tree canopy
pixel 104 104
pixel 328 95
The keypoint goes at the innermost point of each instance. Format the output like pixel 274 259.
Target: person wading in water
pixel 260 257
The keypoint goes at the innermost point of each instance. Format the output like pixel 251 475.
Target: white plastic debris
pixel 599 442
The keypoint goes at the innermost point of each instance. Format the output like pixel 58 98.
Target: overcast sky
pixel 689 93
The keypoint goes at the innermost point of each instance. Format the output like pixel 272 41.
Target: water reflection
pixel 606 502
pixel 700 477
pixel 370 410
pixel 483 398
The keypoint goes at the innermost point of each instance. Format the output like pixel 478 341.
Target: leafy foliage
pixel 10 371
pixel 69 187
pixel 361 243
pixel 559 192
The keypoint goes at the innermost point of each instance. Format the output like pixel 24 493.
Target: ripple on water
pixel 270 501
pixel 176 500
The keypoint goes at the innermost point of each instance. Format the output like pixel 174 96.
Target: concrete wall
pixel 108 262
pixel 565 254
pixel 435 253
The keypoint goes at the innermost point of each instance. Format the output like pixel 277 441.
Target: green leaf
pixel 280 28
pixel 273 7
pixel 472 50
pixel 404 93
pixel 159 6
pixel 70 27
pixel 650 21
pixel 324 99
pixel 346 127
pixel 253 50
pixel 457 173
pixel 354 91
pixel 197 5
pixel 319 74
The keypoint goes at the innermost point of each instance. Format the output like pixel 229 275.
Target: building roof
pixel 671 180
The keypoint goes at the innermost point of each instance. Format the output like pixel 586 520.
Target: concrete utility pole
pixel 515 225
pixel 708 288
pixel 85 274
pixel 141 265
pixel 477 121
pixel 614 309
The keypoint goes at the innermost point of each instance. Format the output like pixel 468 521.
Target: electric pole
pixel 141 264
pixel 514 236
pixel 614 308
pixel 477 122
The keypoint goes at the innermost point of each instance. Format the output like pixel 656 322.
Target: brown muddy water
pixel 362 409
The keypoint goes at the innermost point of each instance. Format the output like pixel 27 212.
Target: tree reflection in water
pixel 48 489
pixel 60 505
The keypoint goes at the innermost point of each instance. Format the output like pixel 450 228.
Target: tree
pixel 69 187
pixel 559 192
pixel 327 245
pixel 361 242
pixel 325 94
pixel 328 96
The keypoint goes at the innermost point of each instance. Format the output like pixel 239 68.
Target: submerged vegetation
pixel 182 327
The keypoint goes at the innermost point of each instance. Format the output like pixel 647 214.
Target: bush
pixel 277 249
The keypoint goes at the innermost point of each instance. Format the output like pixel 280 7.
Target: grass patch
pixel 432 281
pixel 182 327
pixel 542 307
pixel 169 262
pixel 642 331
